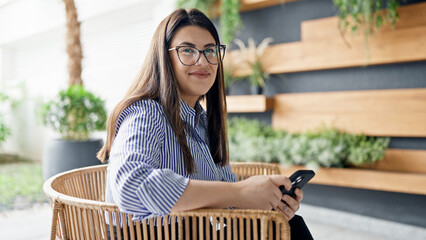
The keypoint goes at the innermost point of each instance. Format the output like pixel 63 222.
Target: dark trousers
pixel 298 230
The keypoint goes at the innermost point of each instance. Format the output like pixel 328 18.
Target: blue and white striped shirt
pixel 146 172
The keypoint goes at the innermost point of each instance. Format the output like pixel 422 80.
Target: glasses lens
pixel 188 55
pixel 214 54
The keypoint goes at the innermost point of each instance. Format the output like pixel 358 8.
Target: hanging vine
pixel 230 19
pixel 366 15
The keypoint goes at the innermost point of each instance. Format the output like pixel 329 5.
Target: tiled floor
pixel 35 224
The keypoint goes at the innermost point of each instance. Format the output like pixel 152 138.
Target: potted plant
pixel 252 55
pixel 229 64
pixel 75 113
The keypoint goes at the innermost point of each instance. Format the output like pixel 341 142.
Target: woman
pixel 165 152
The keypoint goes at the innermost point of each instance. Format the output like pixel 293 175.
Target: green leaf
pixel 250 140
pixel 230 20
pixel 365 13
pixel 75 113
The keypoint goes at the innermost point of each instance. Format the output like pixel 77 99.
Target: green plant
pixel 206 6
pixel 250 140
pixel 4 129
pixel 21 185
pixel 75 113
pixel 257 77
pixel 245 138
pixel 230 20
pixel 252 55
pixel 229 64
pixel 366 14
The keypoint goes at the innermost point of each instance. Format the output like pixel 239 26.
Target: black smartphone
pixel 298 180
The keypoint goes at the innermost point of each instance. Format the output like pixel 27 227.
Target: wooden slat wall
pixel 254 103
pixel 402 160
pixel 330 51
pixel 409 16
pixel 367 179
pixel 248 5
pixel 245 104
pixel 398 112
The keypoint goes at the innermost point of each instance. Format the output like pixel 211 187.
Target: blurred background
pixel 346 98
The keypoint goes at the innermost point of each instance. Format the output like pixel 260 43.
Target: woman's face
pixel 196 80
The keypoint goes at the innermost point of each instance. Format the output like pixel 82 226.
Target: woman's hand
pixel 261 192
pixel 293 204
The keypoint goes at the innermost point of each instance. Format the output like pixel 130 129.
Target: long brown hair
pixel 156 80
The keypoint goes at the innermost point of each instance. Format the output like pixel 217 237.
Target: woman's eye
pixel 210 50
pixel 187 51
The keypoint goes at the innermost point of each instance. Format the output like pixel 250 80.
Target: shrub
pixel 250 140
pixel 75 113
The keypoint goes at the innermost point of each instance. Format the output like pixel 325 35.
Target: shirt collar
pixel 193 116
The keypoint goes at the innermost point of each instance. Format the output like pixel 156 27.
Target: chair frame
pixel 77 200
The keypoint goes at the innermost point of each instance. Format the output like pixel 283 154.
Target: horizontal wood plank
pixel 405 45
pixel 366 179
pixel 401 160
pixel 409 16
pixel 396 112
pixel 248 5
pixel 249 103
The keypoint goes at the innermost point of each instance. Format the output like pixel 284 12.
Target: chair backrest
pixel 245 170
pixel 79 212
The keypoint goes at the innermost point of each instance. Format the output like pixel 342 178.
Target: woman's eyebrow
pixel 187 44
pixel 193 45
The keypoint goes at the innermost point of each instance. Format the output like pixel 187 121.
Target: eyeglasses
pixel 189 56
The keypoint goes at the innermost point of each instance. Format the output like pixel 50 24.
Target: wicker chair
pixel 79 211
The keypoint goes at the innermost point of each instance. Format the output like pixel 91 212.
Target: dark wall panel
pixel 396 207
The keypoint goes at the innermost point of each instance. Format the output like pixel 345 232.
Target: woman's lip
pixel 200 74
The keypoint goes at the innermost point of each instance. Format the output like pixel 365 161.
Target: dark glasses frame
pixel 220 58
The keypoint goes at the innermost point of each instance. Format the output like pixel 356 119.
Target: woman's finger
pixel 279 180
pixel 291 202
pixel 299 194
pixel 286 210
pixel 277 193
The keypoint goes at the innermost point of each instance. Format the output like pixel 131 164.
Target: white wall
pixel 115 36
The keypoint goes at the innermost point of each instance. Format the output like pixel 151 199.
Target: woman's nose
pixel 202 60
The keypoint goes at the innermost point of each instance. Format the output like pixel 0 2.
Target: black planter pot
pixel 256 90
pixel 60 155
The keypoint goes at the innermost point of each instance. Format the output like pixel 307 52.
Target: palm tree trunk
pixel 73 44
